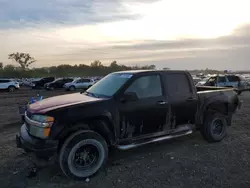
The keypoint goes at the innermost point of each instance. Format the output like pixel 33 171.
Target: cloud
pixel 19 14
pixel 129 31
pixel 52 47
pixel 228 52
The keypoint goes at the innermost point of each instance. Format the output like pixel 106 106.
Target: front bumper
pixel 42 148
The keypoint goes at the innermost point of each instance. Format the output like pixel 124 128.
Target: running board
pixel 134 145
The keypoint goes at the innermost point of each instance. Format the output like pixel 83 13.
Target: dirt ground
pixel 184 162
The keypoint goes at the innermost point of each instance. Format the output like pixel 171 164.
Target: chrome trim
pixel 134 145
pixel 35 123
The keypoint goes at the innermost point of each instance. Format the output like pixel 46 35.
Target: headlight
pixel 45 121
pixel 40 125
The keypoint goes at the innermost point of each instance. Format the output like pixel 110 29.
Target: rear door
pixel 182 98
pixel 2 84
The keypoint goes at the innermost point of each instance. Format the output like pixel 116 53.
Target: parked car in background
pixel 58 83
pixel 20 82
pixel 234 81
pixel 40 83
pixel 79 83
pixel 9 84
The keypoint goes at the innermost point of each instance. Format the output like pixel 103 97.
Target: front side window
pixel 85 80
pixel 222 79
pixel 146 87
pixel 79 81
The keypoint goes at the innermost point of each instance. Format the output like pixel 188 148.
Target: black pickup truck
pixel 123 110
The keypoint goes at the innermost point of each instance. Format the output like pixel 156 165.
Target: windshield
pixel 58 79
pixel 109 85
pixel 212 79
pixel 75 80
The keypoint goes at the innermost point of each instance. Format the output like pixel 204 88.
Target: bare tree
pixel 1 65
pixel 23 59
pixel 96 63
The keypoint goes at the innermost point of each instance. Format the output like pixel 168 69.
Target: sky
pixel 178 34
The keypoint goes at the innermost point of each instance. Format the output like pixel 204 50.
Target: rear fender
pixel 218 106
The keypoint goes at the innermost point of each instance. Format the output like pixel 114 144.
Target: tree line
pixel 96 68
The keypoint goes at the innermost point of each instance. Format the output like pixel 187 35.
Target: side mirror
pixel 129 96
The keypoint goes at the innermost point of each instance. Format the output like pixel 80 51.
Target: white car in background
pixel 79 83
pixel 9 84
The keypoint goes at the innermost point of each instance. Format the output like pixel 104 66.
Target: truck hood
pixel 60 101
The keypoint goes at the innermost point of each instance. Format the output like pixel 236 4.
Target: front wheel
pixel 72 88
pixel 11 89
pixel 214 128
pixel 83 154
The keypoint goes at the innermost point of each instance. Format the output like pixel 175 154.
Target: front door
pixel 149 113
pixel 221 81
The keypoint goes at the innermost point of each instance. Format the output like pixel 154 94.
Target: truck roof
pixel 143 71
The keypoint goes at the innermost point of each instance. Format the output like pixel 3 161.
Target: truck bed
pixel 220 93
pixel 202 89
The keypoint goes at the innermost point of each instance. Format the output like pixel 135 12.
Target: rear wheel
pixel 83 154
pixel 214 128
pixel 11 88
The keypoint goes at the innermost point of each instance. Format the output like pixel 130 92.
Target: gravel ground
pixel 184 162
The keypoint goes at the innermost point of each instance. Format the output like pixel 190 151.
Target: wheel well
pixel 101 125
pixel 11 86
pixel 221 108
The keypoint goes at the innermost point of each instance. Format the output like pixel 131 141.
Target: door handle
pixel 161 102
pixel 191 99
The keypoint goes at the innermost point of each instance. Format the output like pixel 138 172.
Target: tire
pixel 214 128
pixel 11 88
pixel 76 141
pixel 72 88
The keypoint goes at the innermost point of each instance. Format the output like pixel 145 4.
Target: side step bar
pixel 134 145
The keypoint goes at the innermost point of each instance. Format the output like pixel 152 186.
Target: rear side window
pixel 4 81
pixel 178 84
pixel 233 78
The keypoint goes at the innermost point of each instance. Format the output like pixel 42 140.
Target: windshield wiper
pixel 91 94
